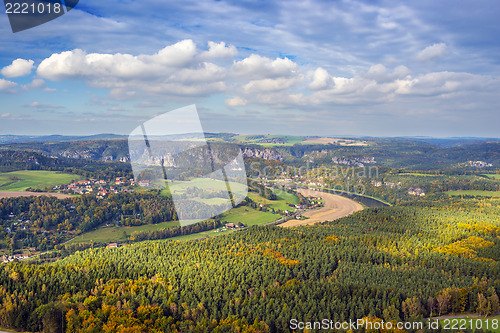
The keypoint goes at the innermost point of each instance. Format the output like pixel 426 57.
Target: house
pixel 416 191
pixel 103 192
pixel 111 245
pixel 230 225
pixel 143 183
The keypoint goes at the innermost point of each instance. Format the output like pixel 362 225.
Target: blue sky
pixel 377 68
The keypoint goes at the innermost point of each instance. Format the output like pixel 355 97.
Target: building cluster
pixel 378 183
pixel 479 164
pixel 301 180
pixel 231 226
pixel 7 258
pixel 416 191
pixel 101 187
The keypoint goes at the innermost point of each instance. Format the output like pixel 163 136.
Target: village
pixel 102 188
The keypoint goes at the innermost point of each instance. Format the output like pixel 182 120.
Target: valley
pixel 363 231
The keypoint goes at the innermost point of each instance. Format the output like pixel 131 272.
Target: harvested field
pixel 335 207
pixel 9 194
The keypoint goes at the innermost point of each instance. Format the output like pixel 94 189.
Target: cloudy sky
pixel 377 68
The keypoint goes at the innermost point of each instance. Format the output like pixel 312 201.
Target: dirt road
pixel 8 194
pixel 335 207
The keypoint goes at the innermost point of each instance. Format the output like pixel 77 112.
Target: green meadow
pixel 492 175
pixel 246 215
pixel 474 193
pixel 284 198
pixel 21 180
pixel 118 234
pixel 249 216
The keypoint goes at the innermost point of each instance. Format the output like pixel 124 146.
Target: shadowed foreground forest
pixel 405 263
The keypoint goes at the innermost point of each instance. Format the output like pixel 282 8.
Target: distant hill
pixel 5 139
pixel 411 153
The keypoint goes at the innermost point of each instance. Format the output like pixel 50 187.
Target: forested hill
pixel 393 263
pixel 12 160
pixel 399 153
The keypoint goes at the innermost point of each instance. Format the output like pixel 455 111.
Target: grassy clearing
pixel 416 174
pixel 248 216
pixel 492 175
pixel 284 198
pixel 218 190
pixel 21 180
pixel 118 234
pixel 245 215
pixel 474 193
pixel 470 322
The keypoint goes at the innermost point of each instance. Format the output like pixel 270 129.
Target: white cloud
pixel 4 115
pixel 259 67
pixel 177 55
pixel 218 50
pixel 266 85
pixel 236 101
pixel 116 108
pixel 19 67
pixel 174 70
pixel 35 84
pixel 321 80
pixel 39 105
pixel 182 71
pixel 6 85
pixel 433 51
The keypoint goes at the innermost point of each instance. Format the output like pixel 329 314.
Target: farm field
pixel 486 323
pixel 248 216
pixel 417 174
pixel 113 233
pixel 217 188
pixel 21 180
pixel 475 193
pixel 245 215
pixel 492 175
pixel 284 198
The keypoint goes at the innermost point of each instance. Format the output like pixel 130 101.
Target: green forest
pixel 422 257
pixel 395 263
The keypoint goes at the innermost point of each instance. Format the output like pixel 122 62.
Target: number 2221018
pixel 32 8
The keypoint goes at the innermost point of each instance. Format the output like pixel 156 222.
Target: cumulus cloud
pixel 256 66
pixel 19 67
pixel 178 69
pixel 35 84
pixel 183 70
pixel 381 85
pixel 39 105
pixel 433 51
pixel 219 50
pixel 116 108
pixel 6 85
pixel 321 80
pixel 236 101
pixel 266 85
